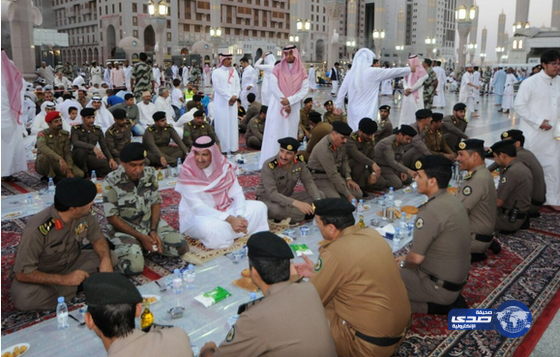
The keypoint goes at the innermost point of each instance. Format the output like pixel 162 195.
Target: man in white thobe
pixel 538 105
pixel 39 122
pixel 362 86
pixel 103 116
pixel 213 207
pixel 266 64
pixel 226 89
pixel 312 79
pixel 163 104
pixel 107 74
pixel 439 99
pixel 156 72
pixel 127 68
pixel 288 86
pixel 249 80
pixel 499 83
pixel 175 70
pixel 476 78
pixel 467 89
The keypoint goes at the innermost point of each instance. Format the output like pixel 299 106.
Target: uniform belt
pixel 447 285
pixel 506 212
pixel 537 203
pixel 483 238
pixel 318 172
pixel 379 341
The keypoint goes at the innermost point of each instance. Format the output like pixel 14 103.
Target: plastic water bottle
pixel 383 200
pixel 50 187
pixel 410 229
pixel 29 204
pixel 354 203
pixel 304 143
pixel 252 296
pixel 391 197
pixel 403 223
pixel 397 237
pixel 62 314
pixel 360 206
pixel 190 276
pixel 93 176
pixel 178 168
pixel 177 282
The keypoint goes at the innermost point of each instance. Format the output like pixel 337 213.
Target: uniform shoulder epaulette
pixel 169 126
pixel 331 147
pixel 151 128
pixel 46 226
pixel 64 132
pixel 110 130
pixel 300 158
pixel 273 164
pixel 244 307
pixel 77 127
pixel 354 136
pixel 97 127
pixel 130 122
pixel 189 123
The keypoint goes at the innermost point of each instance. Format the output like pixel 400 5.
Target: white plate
pixel 148 296
pixel 11 349
pixel 12 215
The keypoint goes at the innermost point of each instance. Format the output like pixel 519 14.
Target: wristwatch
pixel 401 264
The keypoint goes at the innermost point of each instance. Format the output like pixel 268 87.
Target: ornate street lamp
pixel 158 15
pixel 464 21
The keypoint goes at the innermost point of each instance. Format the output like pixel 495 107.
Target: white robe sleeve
pixel 342 91
pixel 199 208
pixel 239 203
pixel 523 104
pixel 274 89
pixel 298 97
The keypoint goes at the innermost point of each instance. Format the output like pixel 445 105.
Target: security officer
pixel 417 147
pixel 255 129
pixel 110 292
pixel 478 195
pixel 279 176
pixel 388 155
pixel 360 150
pixel 434 140
pixel 50 261
pixel 196 128
pixel 304 116
pixel 319 129
pixel 363 294
pixel 437 267
pixel 275 325
pixel 119 134
pixel 54 158
pixel 525 156
pixel 454 126
pixel 514 190
pixel 329 165
pixel 85 138
pixel 157 138
pixel 385 127
pixel 132 205
pixel 330 116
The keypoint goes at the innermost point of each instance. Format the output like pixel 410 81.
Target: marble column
pixel 334 9
pixel 23 15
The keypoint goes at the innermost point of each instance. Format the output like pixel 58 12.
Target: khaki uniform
pixel 478 195
pixel 320 130
pixel 117 138
pixel 436 143
pixel 288 321
pixel 276 188
pixel 174 341
pixel 83 142
pixel 133 204
pixel 157 140
pixel 191 132
pixel 515 188
pixel 454 130
pixel 388 156
pixel 332 117
pixel 304 120
pixel 384 129
pixel 360 158
pixel 442 236
pixel 329 167
pixel 417 148
pixel 254 133
pixel 360 287
pixel 49 245
pixel 50 149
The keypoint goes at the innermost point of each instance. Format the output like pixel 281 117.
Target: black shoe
pixel 495 247
pixel 309 216
pixel 437 309
pixel 526 224
pixel 534 215
pixel 460 303
pixel 503 231
pixel 478 257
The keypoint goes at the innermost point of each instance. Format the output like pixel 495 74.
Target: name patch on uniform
pixel 467 191
pixel 318 265
pixel 231 334
pixel 419 223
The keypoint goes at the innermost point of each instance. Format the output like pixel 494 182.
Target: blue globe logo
pixel 513 319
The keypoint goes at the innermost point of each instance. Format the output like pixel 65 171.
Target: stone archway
pixel 111 42
pixel 149 39
pixel 319 50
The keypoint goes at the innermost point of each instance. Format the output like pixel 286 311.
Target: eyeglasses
pixel 555 64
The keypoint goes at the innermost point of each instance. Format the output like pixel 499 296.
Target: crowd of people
pixel 352 305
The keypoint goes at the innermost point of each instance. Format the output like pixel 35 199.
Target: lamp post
pixel 303 28
pixel 472 50
pixel 499 51
pixel 378 37
pixel 158 15
pixel 215 37
pixel 294 39
pixel 399 49
pixel 464 21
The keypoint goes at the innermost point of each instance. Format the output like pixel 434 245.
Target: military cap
pixel 513 133
pixel 52 116
pixel 367 126
pixel 307 100
pixel 471 144
pixel 502 146
pixel 407 130
pixel 75 192
pixel 333 207
pixel 423 114
pixel 460 106
pixel 430 161
pixel 267 245
pixel 96 98
pixel 87 112
pixel 157 116
pixel 119 113
pixel 133 152
pixel 328 102
pixel 342 128
pixel 49 104
pixel 110 289
pixel 437 117
pixel 199 113
pixel 315 117
pixel 385 107
pixel 289 143
pixel 264 109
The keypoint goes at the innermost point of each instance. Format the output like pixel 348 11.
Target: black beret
pixel 407 130
pixel 328 102
pixel 75 192
pixel 332 207
pixel 342 128
pixel 513 133
pixel 437 117
pixel 426 162
pixel 501 146
pixel 307 100
pixel 315 117
pixel 158 116
pixel 459 106
pixel 133 152
pixel 386 107
pixel 264 109
pixel 289 143
pixel 87 112
pixel 119 113
pixel 198 113
pixel 267 245
pixel 423 114
pixel 471 144
pixel 110 289
pixel 368 126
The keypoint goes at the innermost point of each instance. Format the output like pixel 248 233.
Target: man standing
pixel 157 139
pixel 388 155
pixel 364 297
pixel 279 176
pixel 127 69
pixel 434 140
pixel 255 129
pixel 288 86
pixel 385 127
pixel 329 165
pixel 107 74
pixel 266 63
pixel 95 72
pixel 430 84
pixel 119 134
pixel 46 72
pixel 177 98
pixel 304 117
pixel 454 126
pixel 334 76
pixel 466 92
pixel 319 130
pixel 50 261
pixel 213 207
pixel 312 79
pixel 142 77
pixel 60 80
pixel 249 80
pixel 132 205
pixel 437 267
pixel 439 99
pixel 499 83
pixel 539 115
pixel 118 78
pixel 478 195
pixel 226 88
pixel 196 128
pixel 331 115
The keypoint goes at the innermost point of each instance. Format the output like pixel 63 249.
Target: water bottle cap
pixel 361 200
pixel 50 179
pixel 92 171
pixel 391 189
pixel 60 299
pixel 190 267
pixel 397 229
pixel 176 271
pixel 253 296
